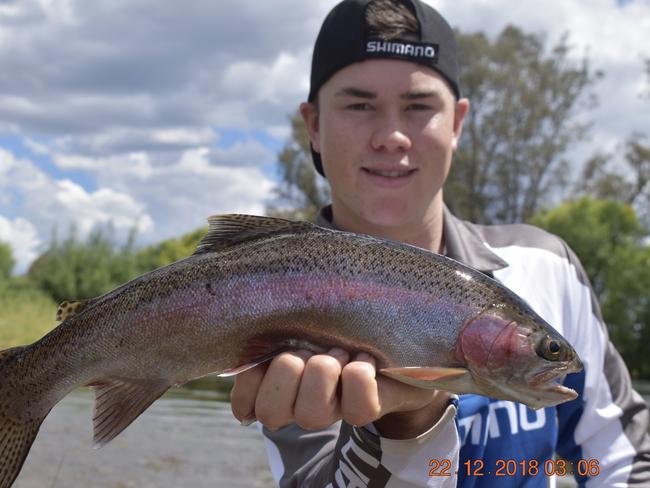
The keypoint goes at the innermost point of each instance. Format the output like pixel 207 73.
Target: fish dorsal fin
pixel 68 308
pixel 228 230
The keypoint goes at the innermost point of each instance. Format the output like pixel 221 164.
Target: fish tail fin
pixel 16 434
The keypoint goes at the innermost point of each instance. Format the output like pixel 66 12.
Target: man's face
pixel 386 131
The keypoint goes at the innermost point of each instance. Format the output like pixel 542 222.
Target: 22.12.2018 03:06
pixel 512 468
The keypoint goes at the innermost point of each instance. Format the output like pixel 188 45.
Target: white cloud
pixel 104 206
pixel 116 141
pixel 160 200
pixel 49 203
pixel 182 195
pixel 22 236
pixel 130 94
pixel 249 153
pixel 278 80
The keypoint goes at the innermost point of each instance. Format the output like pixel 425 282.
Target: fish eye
pixel 550 349
pixel 554 347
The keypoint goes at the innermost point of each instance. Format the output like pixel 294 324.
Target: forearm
pixel 343 455
pixel 410 424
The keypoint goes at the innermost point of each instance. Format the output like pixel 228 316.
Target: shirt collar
pixel 462 241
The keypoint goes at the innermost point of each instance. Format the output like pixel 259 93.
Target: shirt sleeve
pixel 604 434
pixel 355 457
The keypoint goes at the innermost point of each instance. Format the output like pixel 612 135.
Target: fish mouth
pixel 549 379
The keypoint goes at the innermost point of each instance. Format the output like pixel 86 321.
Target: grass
pixel 26 313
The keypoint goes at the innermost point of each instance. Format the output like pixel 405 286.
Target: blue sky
pixel 155 115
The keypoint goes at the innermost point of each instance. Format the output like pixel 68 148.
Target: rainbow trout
pixel 257 286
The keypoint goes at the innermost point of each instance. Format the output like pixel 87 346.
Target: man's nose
pixel 391 134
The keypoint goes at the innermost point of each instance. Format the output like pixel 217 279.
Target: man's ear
pixel 462 107
pixel 309 113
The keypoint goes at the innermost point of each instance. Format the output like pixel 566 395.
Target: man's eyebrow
pixel 417 95
pixel 351 91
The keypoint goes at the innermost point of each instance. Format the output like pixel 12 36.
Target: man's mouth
pixel 389 173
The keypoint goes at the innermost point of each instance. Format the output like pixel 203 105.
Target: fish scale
pixel 257 286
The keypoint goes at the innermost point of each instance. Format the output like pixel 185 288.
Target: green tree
pixel 301 191
pixel 7 261
pixel 168 251
pixel 78 269
pixel 525 100
pixel 608 238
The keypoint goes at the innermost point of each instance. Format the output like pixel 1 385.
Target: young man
pixel 384 117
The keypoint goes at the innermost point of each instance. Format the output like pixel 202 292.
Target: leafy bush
pixel 26 312
pixel 608 238
pixel 74 269
pixel 6 261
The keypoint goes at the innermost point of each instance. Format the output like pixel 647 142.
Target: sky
pixel 154 115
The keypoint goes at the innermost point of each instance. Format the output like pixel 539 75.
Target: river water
pixel 187 438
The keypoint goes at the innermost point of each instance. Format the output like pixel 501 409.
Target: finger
pixel 277 393
pixel 244 393
pixel 359 396
pixel 317 404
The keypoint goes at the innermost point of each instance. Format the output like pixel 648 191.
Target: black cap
pixel 342 41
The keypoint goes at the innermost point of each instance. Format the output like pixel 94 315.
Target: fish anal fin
pixel 68 308
pixel 119 401
pixel 456 380
pixel 231 229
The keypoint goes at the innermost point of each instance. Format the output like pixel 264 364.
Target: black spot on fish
pixel 210 290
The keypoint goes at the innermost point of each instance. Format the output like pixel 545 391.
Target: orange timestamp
pixel 512 468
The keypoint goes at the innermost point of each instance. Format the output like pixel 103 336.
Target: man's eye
pixel 418 106
pixel 360 106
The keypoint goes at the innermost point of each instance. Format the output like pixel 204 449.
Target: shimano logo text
pixel 401 48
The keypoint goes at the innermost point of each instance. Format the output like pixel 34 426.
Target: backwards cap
pixel 342 41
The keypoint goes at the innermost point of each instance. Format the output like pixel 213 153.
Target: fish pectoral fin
pixel 247 366
pixel 68 308
pixel 260 349
pixel 456 380
pixel 119 401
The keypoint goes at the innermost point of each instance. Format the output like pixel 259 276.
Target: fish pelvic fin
pixel 16 434
pixel 68 308
pixel 454 380
pixel 229 230
pixel 119 401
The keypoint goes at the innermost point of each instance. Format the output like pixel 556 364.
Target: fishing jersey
pixel 602 436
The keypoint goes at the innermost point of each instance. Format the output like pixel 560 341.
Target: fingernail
pixel 362 356
pixel 249 419
pixel 337 352
pixel 304 353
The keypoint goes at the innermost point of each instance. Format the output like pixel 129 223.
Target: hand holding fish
pixel 302 387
